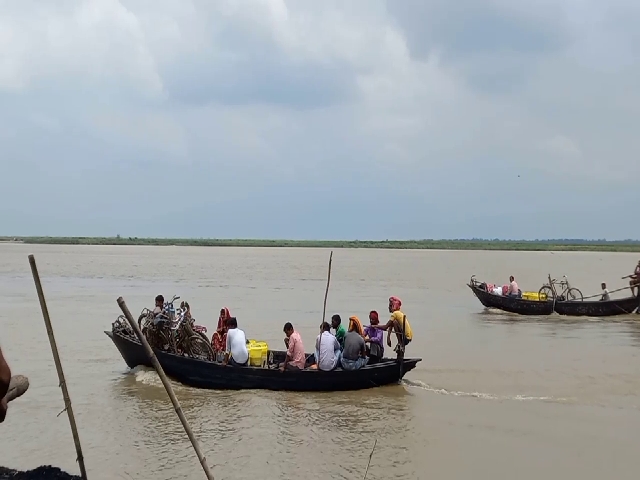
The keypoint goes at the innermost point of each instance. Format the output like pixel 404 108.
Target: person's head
pixel 354 322
pixel 224 313
pixel 373 317
pixel 288 329
pixel 511 279
pixel 394 304
pixel 159 301
pixel 336 321
pixel 326 327
pixel 232 322
pixel 603 285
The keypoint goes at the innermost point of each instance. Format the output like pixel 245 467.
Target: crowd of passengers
pixel 335 347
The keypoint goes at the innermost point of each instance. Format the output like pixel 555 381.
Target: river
pixel 495 396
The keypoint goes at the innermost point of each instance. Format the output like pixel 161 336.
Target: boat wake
pixel 483 396
pixel 146 376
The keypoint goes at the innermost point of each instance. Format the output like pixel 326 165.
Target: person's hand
pixel 3 410
pixel 281 368
pixel 367 339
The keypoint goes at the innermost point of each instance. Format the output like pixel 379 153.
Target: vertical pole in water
pixel 400 355
pixel 324 308
pixel 56 359
pixel 167 386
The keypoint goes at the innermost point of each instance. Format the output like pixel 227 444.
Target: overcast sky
pixel 320 119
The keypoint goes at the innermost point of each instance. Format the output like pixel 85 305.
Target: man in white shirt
pixel 327 349
pixel 605 293
pixel 236 345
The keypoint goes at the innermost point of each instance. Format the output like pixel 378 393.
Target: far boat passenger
pixel 295 358
pixel 374 337
pixel 634 282
pixel 336 324
pixel 327 349
pixel 513 291
pixel 605 293
pixel 219 337
pixel 354 354
pixel 158 310
pixel 236 352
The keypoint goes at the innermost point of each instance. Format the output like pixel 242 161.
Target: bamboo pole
pixel 324 308
pixel 167 386
pixel 56 359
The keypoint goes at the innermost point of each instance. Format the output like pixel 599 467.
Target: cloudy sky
pixel 320 119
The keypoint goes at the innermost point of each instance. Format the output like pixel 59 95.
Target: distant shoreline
pixel 474 244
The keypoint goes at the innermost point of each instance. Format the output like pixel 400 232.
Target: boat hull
pixel 511 304
pixel 209 375
pixel 610 308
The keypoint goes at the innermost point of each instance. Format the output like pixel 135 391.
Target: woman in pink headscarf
pixel 395 324
pixel 219 338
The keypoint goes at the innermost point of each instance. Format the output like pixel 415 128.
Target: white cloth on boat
pixel 497 290
pixel 237 345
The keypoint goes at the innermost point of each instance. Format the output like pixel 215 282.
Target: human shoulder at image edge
pixel 236 350
pixel 295 358
pixel 5 380
pixel 327 350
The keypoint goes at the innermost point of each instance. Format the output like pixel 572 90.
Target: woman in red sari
pixel 219 338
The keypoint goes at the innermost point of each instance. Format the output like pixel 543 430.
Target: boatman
pixel 395 323
pixel 634 282
pixel 5 380
pixel 605 293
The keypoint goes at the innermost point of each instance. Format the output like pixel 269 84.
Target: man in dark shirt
pixel 354 354
pixel 5 380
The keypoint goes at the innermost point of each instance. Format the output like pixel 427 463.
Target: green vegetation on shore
pixel 473 244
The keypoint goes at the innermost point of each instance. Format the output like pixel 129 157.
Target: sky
pixel 308 119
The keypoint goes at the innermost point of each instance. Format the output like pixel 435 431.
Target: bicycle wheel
pixel 574 295
pixel 199 348
pixel 546 291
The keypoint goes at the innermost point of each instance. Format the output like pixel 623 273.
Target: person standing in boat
pixel 236 352
pixel 5 380
pixel 605 293
pixel 295 358
pixel 336 324
pixel 634 281
pixel 375 338
pixel 327 349
pixel 395 323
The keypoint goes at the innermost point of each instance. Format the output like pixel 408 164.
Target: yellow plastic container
pixel 258 352
pixel 534 296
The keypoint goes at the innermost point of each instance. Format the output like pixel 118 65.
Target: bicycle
pixel 568 293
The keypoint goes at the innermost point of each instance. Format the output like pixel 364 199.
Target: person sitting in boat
pixel 219 338
pixel 605 293
pixel 327 349
pixel 295 358
pixel 5 381
pixel 236 352
pixel 186 308
pixel 158 311
pixel 634 281
pixel 395 324
pixel 354 353
pixel 336 324
pixel 513 290
pixel 374 337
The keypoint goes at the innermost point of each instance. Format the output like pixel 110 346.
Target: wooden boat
pixel 510 304
pixel 596 308
pixel 211 375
